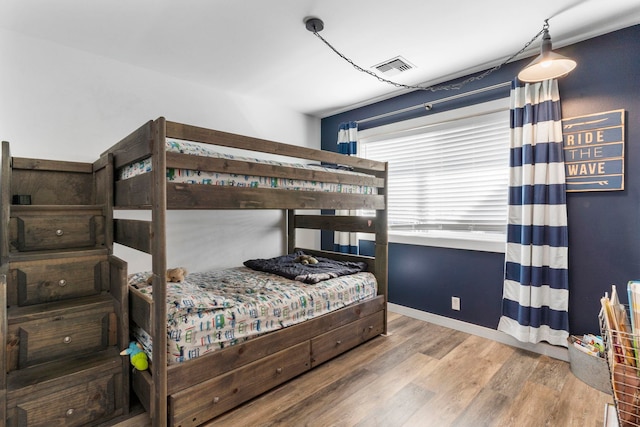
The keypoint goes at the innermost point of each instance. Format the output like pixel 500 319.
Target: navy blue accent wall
pixel 425 278
pixel 604 227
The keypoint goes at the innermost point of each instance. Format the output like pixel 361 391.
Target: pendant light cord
pixel 459 85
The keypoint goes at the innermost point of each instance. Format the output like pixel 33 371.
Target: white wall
pixel 65 104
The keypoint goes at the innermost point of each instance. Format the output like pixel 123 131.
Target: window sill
pixel 480 242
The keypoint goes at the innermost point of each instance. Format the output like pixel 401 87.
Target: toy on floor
pixel 137 357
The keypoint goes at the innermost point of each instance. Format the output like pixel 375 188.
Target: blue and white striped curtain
pixel 536 285
pixel 347 144
pixel 348 138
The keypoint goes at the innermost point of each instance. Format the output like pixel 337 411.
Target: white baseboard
pixel 554 351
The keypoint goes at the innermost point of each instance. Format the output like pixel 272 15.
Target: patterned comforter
pixel 217 309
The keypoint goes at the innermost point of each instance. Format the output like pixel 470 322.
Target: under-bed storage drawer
pixel 36 282
pixel 59 231
pixel 330 344
pixel 38 337
pixel 200 403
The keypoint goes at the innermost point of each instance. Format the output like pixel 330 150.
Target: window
pixel 448 176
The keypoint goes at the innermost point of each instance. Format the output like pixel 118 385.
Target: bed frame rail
pixel 135 234
pixel 226 139
pixel 187 196
pixel 136 146
pixel 141 313
pixel 356 224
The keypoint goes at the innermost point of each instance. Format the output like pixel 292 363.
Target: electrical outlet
pixel 455 303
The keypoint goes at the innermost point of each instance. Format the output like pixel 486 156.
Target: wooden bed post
pixel 5 196
pixel 291 230
pixel 382 247
pixel 3 337
pixel 103 180
pixel 159 266
pixel 5 200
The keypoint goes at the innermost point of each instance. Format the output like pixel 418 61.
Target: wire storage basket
pixel 621 351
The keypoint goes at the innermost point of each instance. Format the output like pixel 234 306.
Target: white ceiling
pixel 261 48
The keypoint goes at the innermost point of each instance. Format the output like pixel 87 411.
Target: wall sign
pixel 594 151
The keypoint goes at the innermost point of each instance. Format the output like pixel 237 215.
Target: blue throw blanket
pixel 286 266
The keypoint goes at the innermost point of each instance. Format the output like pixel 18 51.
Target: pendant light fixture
pixel 548 65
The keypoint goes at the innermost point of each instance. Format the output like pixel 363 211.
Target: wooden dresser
pixel 63 314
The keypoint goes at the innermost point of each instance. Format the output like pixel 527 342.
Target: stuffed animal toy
pixel 305 259
pixel 137 357
pixel 176 274
pixel 173 275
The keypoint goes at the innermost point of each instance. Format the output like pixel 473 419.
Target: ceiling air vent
pixel 393 66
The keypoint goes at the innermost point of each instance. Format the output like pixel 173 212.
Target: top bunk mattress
pixel 216 309
pixel 188 176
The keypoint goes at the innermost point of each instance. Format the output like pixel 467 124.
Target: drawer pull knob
pixel 216 399
pixel 278 370
pixel 371 327
pixel 338 342
pixel 70 412
pixel 59 232
pixel 67 339
pixel 62 283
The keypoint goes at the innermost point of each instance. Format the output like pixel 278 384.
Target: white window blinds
pixel 450 175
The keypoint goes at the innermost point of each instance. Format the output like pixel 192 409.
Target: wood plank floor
pixel 427 375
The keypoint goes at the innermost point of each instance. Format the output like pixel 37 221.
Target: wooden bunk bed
pixel 197 390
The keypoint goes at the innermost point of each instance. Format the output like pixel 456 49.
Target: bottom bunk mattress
pixel 216 309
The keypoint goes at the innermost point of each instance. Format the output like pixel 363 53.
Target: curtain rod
pixel 429 105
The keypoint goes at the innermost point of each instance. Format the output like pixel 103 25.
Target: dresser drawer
pixel 84 398
pixel 36 282
pixel 331 344
pixel 195 405
pixel 64 333
pixel 61 231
